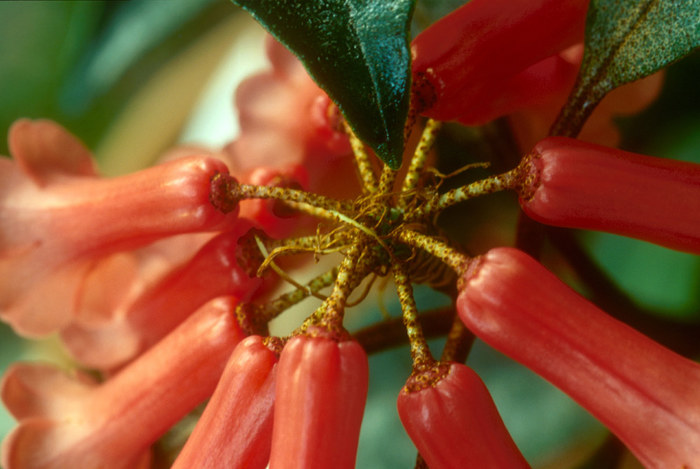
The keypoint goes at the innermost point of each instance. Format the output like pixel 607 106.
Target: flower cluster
pixel 162 284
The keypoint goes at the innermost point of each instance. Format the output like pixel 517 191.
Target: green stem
pixel 293 197
pixel 415 169
pixel 507 180
pixel 364 165
pixel 459 342
pixel 254 318
pixel 317 244
pixel 420 352
pixel 386 180
pixel 350 273
pixel 580 104
pixel 392 333
pixel 450 256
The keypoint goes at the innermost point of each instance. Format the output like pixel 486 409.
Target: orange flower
pixel 235 430
pixel 58 217
pixel 452 419
pixel 644 393
pixel 76 422
pixel 143 318
pixel 319 401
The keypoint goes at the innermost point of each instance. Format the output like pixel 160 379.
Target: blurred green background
pixel 133 78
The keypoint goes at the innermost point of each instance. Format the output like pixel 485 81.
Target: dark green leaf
pixel 358 52
pixel 627 40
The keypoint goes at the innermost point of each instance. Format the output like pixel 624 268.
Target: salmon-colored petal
pixel 45 151
pixel 57 220
pixel 113 424
pixel 319 402
pixel 162 305
pixel 235 430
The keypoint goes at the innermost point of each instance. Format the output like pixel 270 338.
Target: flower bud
pixel 453 421
pixel 319 401
pixel 580 185
pixel 644 393
pixel 235 430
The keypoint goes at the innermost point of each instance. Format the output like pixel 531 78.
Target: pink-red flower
pixel 141 319
pixel 319 402
pixel 235 430
pixel 288 123
pixel 77 422
pixel 580 185
pixel 140 274
pixel 99 260
pixel 452 419
pixel 58 217
pixel 505 50
pixel 644 393
pixel 538 46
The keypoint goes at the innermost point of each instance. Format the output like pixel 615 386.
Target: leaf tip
pixel 390 154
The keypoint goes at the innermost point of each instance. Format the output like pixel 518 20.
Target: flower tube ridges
pixel 453 421
pixel 644 393
pixel 581 185
pixel 235 429
pixel 319 402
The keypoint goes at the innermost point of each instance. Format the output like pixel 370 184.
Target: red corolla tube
pixel 466 58
pixel 453 421
pixel 581 185
pixel 644 393
pixel 235 429
pixel 319 401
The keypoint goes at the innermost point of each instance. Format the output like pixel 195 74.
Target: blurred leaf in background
pixel 79 63
pixel 39 44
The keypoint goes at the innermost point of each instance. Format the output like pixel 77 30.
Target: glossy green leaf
pixel 627 40
pixel 358 52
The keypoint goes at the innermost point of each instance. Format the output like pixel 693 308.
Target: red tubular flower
pixel 580 185
pixel 235 430
pixel 50 197
pixel 319 401
pixel 140 322
pixel 484 44
pixel 644 393
pixel 68 422
pixel 453 421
